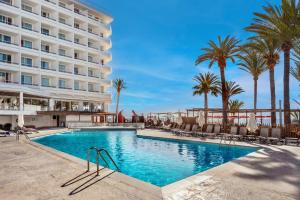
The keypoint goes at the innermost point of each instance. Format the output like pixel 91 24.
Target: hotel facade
pixel 54 57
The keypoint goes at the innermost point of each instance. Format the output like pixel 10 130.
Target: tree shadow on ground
pixel 273 164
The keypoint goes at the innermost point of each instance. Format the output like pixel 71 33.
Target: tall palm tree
pixel 226 48
pixel 268 48
pixel 254 64
pixel 281 23
pixel 206 84
pixel 119 85
pixel 295 71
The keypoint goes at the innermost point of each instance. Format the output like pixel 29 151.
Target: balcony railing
pixel 8 42
pixel 96 91
pixel 45 68
pixel 79 13
pixel 60 5
pixel 65 88
pixel 80 59
pixel 64 71
pixel 8 82
pixel 64 39
pixel 49 18
pixel 50 2
pixel 79 74
pixel 8 62
pixel 30 48
pixel 49 86
pixel 30 11
pixel 29 29
pixel 48 51
pixel 79 43
pixel 44 33
pixel 94 76
pixel 65 55
pixel 9 23
pixel 30 84
pixel 95 62
pixel 10 4
pixel 78 89
pixel 28 65
pixel 65 23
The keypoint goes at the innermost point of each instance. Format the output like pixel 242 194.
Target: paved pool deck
pixel 32 171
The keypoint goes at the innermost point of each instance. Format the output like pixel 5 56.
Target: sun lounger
pixel 275 136
pixel 178 129
pixel 186 130
pixel 263 135
pixel 232 134
pixel 190 133
pixel 244 134
pixel 209 130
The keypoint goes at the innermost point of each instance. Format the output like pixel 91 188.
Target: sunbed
pixel 263 135
pixel 186 129
pixel 209 130
pixel 232 134
pixel 190 133
pixel 275 136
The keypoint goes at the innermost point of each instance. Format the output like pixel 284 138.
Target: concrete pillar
pixel 51 104
pixel 80 105
pixel 21 102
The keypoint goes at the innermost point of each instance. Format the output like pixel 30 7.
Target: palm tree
pixel 235 105
pixel 220 53
pixel 206 84
pixel 254 64
pixel 119 85
pixel 281 23
pixel 295 71
pixel 268 48
pixel 232 89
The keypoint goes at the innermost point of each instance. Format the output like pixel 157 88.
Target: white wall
pixel 40 121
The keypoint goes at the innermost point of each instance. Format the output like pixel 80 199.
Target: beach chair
pixel 190 133
pixel 275 136
pixel 186 129
pixel 263 135
pixel 232 134
pixel 209 130
pixel 178 129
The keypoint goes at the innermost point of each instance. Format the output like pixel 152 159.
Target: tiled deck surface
pixel 30 172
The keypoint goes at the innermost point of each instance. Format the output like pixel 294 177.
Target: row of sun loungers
pixel 266 135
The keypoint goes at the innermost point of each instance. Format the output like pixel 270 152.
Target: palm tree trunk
pixel 255 95
pixel 224 96
pixel 273 95
pixel 117 107
pixel 286 84
pixel 205 106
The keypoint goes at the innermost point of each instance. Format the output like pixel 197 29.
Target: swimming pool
pixel 154 160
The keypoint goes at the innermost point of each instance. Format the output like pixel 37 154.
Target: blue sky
pixel 155 44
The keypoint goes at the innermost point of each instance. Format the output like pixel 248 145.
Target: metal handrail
pixel 118 169
pixel 24 133
pixel 98 151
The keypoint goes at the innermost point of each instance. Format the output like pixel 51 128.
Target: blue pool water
pixel 153 160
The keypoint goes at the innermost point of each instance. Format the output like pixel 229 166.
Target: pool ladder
pixel 99 154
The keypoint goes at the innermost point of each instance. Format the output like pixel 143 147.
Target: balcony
pixel 28 65
pixel 95 91
pixel 61 38
pixel 47 51
pixel 64 71
pixel 10 4
pixel 79 13
pixel 30 48
pixel 8 42
pixel 79 43
pixel 49 18
pixel 51 2
pixel 79 74
pixel 64 55
pixel 31 84
pixel 78 89
pixel 49 86
pixel 8 62
pixel 30 11
pixel 45 33
pixel 94 76
pixel 8 23
pixel 29 29
pixel 45 68
pixel 63 6
pixel 65 88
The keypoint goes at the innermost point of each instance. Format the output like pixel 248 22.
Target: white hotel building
pixel 54 57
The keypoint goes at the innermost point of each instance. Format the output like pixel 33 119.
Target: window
pixel 76 85
pixel 76 70
pixel 44 65
pixel 89 44
pixel 26 43
pixel 62 20
pixel 26 25
pixel 90 87
pixel 76 25
pixel 27 8
pixel 76 55
pixel 45 31
pixel 62 4
pixel 90 58
pixel 26 61
pixel 6 20
pixel 5 58
pixel 76 40
pixel 76 10
pixel 7 2
pixel 45 14
pixel 62 68
pixel 61 36
pixel 61 83
pixel 4 77
pixel 90 72
pixel 26 79
pixel 45 82
pixel 62 52
pixel 45 47
pixel 5 38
